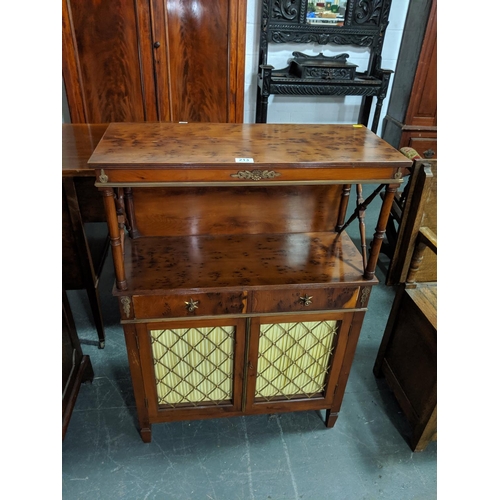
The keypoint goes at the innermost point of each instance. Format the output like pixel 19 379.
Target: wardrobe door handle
pixel 156 45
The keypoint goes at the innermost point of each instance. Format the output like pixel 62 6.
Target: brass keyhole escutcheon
pixel 192 305
pixel 306 300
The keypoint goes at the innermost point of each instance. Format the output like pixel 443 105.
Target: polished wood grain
pixel 268 301
pixel 183 146
pixel 175 305
pixel 154 60
pixel 78 144
pixel 155 265
pixel 183 211
pixel 107 55
pixel 199 75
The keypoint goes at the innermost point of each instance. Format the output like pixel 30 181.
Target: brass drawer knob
pixel 192 305
pixel 306 300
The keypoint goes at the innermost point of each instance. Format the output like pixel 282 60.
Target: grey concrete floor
pixel 287 456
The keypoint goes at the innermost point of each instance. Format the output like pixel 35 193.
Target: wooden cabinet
pixel 412 112
pixel 240 291
pixel 159 60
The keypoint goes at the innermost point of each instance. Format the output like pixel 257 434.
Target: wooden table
pixel 84 244
pixel 240 291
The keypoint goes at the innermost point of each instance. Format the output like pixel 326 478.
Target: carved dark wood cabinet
pixel 359 23
pixel 240 291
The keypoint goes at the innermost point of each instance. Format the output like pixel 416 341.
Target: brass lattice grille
pixel 294 358
pixel 193 365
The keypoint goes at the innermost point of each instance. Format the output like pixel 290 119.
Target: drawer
pixel 189 305
pixel 306 299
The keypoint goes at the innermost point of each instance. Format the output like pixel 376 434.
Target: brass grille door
pixel 295 359
pixel 193 365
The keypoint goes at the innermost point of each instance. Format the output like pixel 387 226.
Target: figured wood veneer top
pixel 157 265
pixel 140 145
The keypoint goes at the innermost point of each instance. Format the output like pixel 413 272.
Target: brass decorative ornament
pixel 256 175
pixel 306 300
pixel 126 305
pixel 365 293
pixel 192 305
pixel 103 177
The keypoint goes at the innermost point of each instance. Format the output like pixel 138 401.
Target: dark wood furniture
pixel 154 60
pixel 240 291
pixel 412 111
pixel 85 239
pixel 363 25
pixel 407 356
pixel 76 367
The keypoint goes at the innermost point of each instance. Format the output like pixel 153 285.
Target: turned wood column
pixel 378 237
pixel 114 234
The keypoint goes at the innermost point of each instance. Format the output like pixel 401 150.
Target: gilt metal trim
pixel 256 175
pixel 126 305
pixel 103 177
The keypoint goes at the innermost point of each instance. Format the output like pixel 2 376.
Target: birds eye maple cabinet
pixel 240 291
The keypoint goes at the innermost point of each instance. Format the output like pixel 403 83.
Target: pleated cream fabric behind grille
pixel 193 365
pixel 294 358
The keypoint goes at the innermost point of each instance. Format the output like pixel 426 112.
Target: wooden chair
pixel 407 356
pixel 412 208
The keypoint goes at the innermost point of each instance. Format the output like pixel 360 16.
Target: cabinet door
pixel 149 60
pixel 107 61
pixel 200 59
pixel 295 361
pixel 422 108
pixel 192 369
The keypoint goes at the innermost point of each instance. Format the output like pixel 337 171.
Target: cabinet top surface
pixel 204 145
pixel 78 143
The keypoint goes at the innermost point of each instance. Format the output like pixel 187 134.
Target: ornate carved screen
pixel 359 23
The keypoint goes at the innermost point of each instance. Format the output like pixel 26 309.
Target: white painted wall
pixel 316 109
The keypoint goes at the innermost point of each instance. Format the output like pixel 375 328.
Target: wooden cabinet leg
pixel 331 418
pixel 146 434
pixel 137 382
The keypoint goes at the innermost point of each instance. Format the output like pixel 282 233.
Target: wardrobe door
pixel 201 44
pixel 108 61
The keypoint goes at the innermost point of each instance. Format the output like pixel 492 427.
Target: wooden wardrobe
pixel 411 119
pixel 154 60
